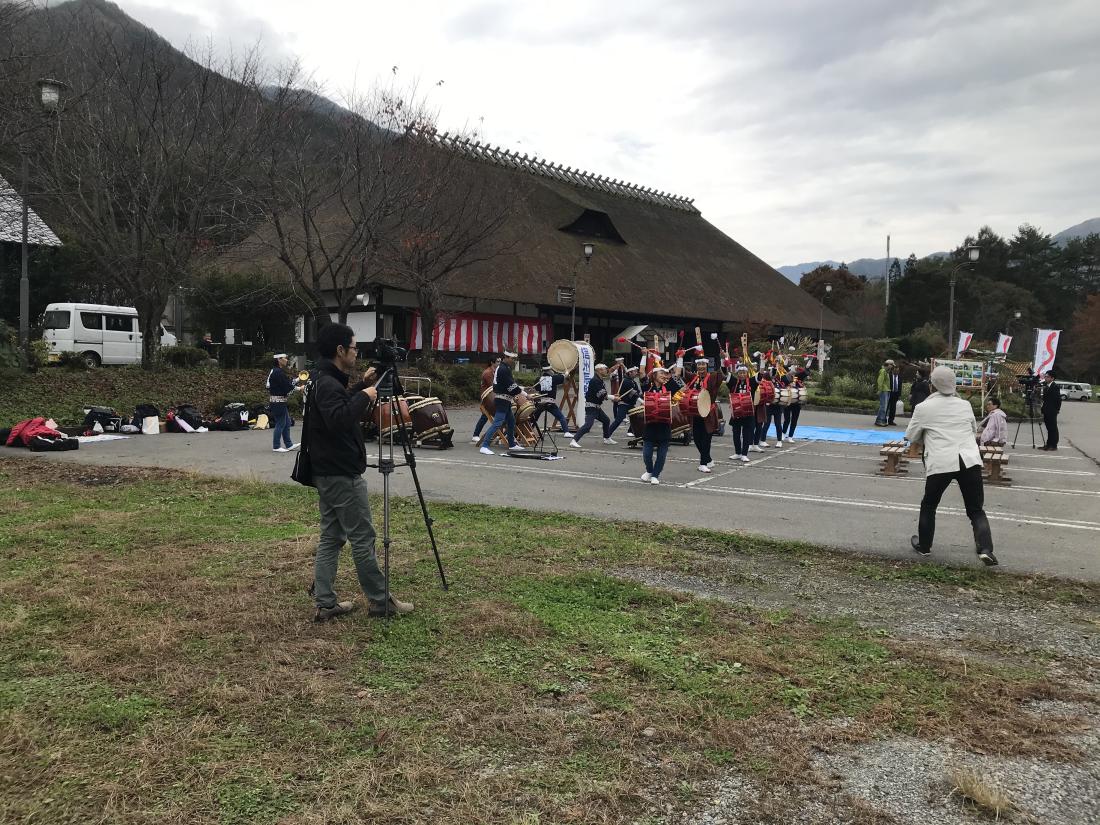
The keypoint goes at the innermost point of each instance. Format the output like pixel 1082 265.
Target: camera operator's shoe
pixel 914 541
pixel 988 558
pixel 397 608
pixel 327 614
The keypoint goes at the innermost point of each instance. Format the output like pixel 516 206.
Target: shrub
pixel 69 360
pixel 852 386
pixel 182 356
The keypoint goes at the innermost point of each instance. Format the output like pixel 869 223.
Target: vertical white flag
pixel 964 342
pixel 1046 347
pixel 1003 343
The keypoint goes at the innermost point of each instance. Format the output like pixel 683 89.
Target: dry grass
pixel 979 792
pixel 159 666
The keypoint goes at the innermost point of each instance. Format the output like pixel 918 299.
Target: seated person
pixel 994 425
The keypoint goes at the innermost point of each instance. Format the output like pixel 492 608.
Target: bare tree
pixel 147 161
pixel 453 222
pixel 333 179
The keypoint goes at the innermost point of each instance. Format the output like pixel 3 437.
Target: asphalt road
pixel 1047 522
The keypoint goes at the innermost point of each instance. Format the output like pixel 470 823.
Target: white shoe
pixel 293 447
pixel 475 439
pixel 754 448
pixel 280 450
pixel 735 457
pixel 629 434
pixel 654 480
pixel 567 435
pixel 646 476
pixel 574 443
pixel 703 468
pixel 486 451
pixel 516 448
pixel 610 441
pixel 745 459
pixel 790 438
pixel 778 443
pixel 710 464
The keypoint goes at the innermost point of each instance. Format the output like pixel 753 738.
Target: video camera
pixel 386 352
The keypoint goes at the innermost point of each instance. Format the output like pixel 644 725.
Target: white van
pixel 1074 391
pixel 102 334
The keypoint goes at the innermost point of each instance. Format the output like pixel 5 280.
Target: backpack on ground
pixel 107 419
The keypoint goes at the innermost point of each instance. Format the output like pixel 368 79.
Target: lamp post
pixel 49 97
pixel 588 249
pixel 821 319
pixel 972 254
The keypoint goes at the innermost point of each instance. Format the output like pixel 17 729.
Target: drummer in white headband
pixel 594 396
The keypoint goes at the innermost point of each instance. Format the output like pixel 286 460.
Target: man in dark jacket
pixel 1052 405
pixel 920 389
pixel 339 457
pixel 279 388
pixel 505 389
pixel 594 395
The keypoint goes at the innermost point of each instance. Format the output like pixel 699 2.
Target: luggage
pixel 107 419
pixel 183 418
pixel 52 444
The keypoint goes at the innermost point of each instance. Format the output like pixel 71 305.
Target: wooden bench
pixel 994 461
pixel 895 455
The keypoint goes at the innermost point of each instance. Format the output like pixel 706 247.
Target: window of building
pixel 594 224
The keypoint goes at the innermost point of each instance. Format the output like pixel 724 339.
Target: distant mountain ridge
pixel 876 267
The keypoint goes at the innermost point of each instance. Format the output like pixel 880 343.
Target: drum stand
pixel 390 392
pixel 538 448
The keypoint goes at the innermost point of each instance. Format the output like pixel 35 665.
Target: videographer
pixel 1052 405
pixel 339 459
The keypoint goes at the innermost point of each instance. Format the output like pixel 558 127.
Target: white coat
pixel 946 426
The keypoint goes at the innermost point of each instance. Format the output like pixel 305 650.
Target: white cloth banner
pixel 964 342
pixel 1046 347
pixel 1003 343
pixel 586 365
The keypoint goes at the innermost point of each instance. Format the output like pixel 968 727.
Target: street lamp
pixel 972 254
pixel 821 320
pixel 588 249
pixel 49 97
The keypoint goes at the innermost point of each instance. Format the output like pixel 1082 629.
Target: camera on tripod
pixel 386 355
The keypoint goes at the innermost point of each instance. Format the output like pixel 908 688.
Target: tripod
pixel 390 392
pixel 1029 395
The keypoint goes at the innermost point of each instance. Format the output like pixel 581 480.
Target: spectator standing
pixel 945 425
pixel 920 389
pixel 279 388
pixel 1052 405
pixel 895 394
pixel 882 387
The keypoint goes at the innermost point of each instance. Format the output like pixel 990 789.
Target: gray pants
pixel 345 516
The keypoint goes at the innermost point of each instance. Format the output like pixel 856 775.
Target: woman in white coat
pixel 945 425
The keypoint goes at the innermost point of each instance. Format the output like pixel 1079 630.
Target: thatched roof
pixel 11 220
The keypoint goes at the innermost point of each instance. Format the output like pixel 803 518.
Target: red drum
pixel 741 405
pixel 689 402
pixel 658 407
pixel 428 417
pixel 767 391
pixel 384 421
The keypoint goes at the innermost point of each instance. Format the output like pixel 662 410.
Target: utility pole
pixel 887 271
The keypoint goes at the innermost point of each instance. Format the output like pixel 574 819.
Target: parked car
pixel 1073 391
pixel 101 334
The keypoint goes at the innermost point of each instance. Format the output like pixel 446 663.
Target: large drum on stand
pixel 386 424
pixel 429 421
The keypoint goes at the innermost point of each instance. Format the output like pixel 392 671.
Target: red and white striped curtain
pixel 467 332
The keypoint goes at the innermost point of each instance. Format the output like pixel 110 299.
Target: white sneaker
pixel 753 448
pixel 516 448
pixel 790 438
pixel 567 435
pixel 280 450
pixel 574 443
pixel 293 447
pixel 778 443
pixel 610 441
pixel 710 464
pixel 654 480
pixel 646 476
pixel 475 439
pixel 486 451
pixel 629 434
pixel 744 459
pixel 703 468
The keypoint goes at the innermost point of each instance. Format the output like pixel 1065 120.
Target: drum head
pixel 562 355
pixel 704 403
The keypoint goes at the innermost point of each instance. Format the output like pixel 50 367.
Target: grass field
pixel 158 664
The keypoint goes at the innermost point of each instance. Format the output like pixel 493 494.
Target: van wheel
pixel 91 360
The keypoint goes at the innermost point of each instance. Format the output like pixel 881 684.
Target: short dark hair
pixel 994 401
pixel 332 336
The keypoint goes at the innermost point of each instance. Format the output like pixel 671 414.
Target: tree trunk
pixel 428 317
pixel 149 316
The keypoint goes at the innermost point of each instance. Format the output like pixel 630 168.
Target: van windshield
pixel 56 319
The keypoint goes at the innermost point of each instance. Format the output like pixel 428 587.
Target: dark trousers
pixel 280 417
pixel 654 464
pixel 622 412
pixel 744 434
pixel 774 413
pixel 504 417
pixel 790 418
pixel 591 416
pixel 892 411
pixel 702 438
pixel 1050 420
pixel 481 422
pixel 970 485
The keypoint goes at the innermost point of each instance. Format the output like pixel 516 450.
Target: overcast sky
pixel 805 130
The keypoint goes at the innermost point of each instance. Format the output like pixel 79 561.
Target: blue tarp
pixel 878 435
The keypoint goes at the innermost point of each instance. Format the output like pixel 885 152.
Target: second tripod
pixel 390 393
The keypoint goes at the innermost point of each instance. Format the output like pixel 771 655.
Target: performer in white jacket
pixel 945 425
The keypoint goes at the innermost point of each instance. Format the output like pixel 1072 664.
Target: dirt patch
pixel 30 470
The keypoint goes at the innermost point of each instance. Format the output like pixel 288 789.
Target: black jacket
pixel 628 392
pixel 596 392
pixel 1052 399
pixel 504 385
pixel 279 383
pixel 920 390
pixel 333 421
